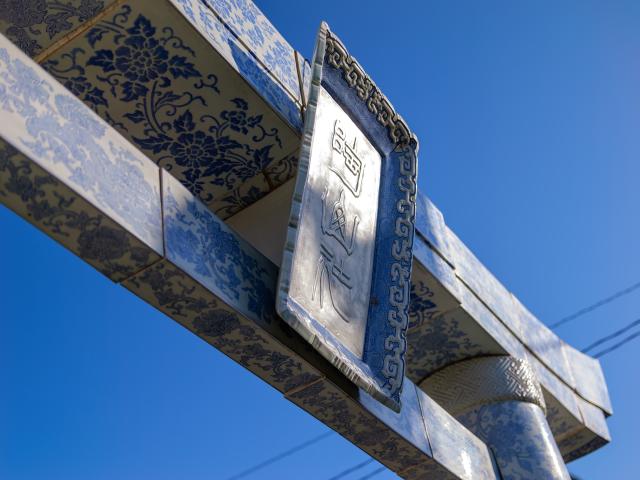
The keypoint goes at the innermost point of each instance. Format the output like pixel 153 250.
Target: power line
pixel 280 456
pixel 617 345
pixel 611 336
pixel 596 305
pixel 373 473
pixel 352 469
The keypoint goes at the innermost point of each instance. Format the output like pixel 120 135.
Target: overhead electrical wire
pixel 373 473
pixel 611 336
pixel 613 348
pixel 596 305
pixel 560 322
pixel 280 456
pixel 352 469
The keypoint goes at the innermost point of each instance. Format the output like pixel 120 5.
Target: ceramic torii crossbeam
pixel 116 159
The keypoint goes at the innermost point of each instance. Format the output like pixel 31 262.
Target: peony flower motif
pixel 141 59
pixel 195 150
pixel 23 13
pixel 103 244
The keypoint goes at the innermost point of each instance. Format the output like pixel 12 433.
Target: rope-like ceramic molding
pixel 465 385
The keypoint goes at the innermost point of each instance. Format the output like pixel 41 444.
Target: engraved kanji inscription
pixel 345 161
pixel 333 262
pixel 330 276
pixel 336 224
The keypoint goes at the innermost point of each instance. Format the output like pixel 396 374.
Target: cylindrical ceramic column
pixel 499 399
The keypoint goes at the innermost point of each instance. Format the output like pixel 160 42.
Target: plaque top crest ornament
pixel 346 270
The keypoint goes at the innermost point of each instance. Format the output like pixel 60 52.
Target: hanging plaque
pixel 346 271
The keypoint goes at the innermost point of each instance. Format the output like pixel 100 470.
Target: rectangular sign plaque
pixel 346 270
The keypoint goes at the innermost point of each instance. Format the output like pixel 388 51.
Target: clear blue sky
pixel 528 115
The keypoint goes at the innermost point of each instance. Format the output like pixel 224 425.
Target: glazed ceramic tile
pixel 481 280
pixel 518 435
pixel 453 446
pixel 593 436
pixel 245 340
pixel 243 60
pixel 184 106
pixel 341 411
pixel 201 244
pixel 436 266
pixel 430 224
pixel 545 344
pixel 35 25
pixel 594 419
pixel 436 336
pixel 246 194
pixel 279 172
pixel 96 172
pixel 304 72
pixel 590 382
pixel 407 423
pixel 255 31
pixel 498 331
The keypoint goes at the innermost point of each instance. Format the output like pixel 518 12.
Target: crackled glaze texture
pixel 146 70
pixel 66 170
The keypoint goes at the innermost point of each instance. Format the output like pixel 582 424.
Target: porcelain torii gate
pixel 115 117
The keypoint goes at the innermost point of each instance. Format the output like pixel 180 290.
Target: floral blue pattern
pixel 205 247
pixel 34 25
pixel 66 171
pixel 155 88
pixel 63 135
pixel 250 25
pixel 519 436
pixel 246 340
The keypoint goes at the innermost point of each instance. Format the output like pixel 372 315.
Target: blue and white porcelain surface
pixel 594 419
pixel 590 381
pixel 481 280
pixel 439 332
pixel 435 265
pixel 246 340
pixel 342 412
pixel 200 244
pixel 304 69
pixel 555 387
pixel 518 434
pixel 275 85
pixel 430 224
pixel 255 31
pixel 184 106
pixel 489 322
pixel 545 344
pixel 453 446
pixel 49 125
pixel 35 25
pixel 408 422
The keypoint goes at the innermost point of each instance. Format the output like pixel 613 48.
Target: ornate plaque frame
pixel 378 366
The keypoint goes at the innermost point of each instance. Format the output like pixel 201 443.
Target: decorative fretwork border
pixel 381 373
pixel 337 56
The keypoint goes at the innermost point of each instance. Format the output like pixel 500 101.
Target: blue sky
pixel 528 115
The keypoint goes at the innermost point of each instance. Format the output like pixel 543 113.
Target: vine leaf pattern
pixel 434 340
pixel 149 83
pixel 57 148
pixel 34 25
